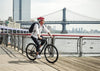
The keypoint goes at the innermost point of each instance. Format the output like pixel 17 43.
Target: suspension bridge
pixel 64 17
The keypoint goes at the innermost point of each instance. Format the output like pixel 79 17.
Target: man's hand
pixel 40 37
pixel 50 34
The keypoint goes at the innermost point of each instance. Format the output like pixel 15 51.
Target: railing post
pixel 18 42
pixel 14 41
pixel 22 44
pixel 11 41
pixel 53 40
pixel 49 41
pixel 3 37
pixel 6 39
pixel 80 46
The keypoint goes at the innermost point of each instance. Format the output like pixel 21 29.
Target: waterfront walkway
pixel 12 60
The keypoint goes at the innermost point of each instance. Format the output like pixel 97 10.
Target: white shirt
pixel 38 29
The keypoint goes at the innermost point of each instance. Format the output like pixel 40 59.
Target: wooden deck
pixel 11 57
pixel 76 64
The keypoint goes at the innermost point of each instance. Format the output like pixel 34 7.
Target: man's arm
pixel 45 29
pixel 37 30
pixel 50 34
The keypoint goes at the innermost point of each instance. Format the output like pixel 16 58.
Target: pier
pixel 13 60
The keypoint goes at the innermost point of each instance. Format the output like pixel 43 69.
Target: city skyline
pixel 73 30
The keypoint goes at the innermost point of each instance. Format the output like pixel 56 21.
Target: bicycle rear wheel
pixel 51 53
pixel 31 51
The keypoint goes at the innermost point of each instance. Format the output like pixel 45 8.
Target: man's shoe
pixel 40 49
pixel 38 56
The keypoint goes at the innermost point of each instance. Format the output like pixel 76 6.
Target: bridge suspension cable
pixel 72 15
pixel 54 16
pixel 52 13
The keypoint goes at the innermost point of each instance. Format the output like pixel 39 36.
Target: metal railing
pixel 66 44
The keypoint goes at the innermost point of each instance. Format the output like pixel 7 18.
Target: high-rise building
pixel 21 10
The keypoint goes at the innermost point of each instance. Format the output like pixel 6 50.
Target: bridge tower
pixel 64 21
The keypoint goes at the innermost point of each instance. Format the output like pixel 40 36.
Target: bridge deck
pixel 14 61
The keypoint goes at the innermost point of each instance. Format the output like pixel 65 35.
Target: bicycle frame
pixel 47 51
pixel 45 44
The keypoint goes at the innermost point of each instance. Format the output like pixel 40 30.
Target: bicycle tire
pixel 32 54
pixel 49 53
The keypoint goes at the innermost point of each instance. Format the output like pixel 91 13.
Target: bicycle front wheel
pixel 31 51
pixel 51 53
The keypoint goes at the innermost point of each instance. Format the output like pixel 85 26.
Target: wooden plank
pixel 75 64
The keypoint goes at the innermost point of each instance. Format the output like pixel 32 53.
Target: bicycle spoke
pixel 31 51
pixel 51 53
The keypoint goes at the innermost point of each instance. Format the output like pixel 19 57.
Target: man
pixel 36 34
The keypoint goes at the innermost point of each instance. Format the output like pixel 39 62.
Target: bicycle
pixel 50 52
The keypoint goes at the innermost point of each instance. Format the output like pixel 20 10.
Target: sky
pixel 89 8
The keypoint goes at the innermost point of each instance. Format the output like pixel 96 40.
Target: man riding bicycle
pixel 36 35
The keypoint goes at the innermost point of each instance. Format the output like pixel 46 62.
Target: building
pixel 13 25
pixel 21 10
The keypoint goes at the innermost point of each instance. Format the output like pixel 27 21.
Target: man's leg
pixel 37 43
pixel 43 40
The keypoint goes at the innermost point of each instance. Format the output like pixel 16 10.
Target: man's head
pixel 41 20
